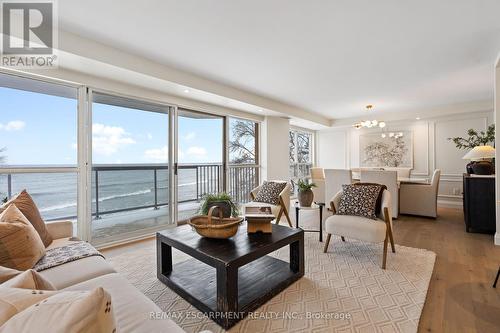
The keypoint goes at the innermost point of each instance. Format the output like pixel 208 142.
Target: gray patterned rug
pixel 344 290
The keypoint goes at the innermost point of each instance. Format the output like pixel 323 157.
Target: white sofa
pixel 132 309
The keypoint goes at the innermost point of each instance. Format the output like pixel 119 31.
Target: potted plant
pixel 476 138
pixel 306 195
pixel 222 200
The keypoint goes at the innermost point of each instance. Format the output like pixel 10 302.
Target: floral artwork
pixel 388 151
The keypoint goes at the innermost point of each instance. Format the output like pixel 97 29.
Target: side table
pixel 314 206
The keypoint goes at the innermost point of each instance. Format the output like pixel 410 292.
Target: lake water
pixel 56 193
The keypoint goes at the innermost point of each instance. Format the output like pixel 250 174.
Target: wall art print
pixel 388 151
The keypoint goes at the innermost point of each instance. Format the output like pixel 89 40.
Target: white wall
pixel 339 148
pixel 274 148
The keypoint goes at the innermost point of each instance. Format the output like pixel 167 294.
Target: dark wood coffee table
pixel 228 278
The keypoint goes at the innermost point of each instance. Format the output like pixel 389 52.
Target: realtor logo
pixel 28 34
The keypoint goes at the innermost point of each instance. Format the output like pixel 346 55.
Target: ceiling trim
pixel 443 110
pixel 80 47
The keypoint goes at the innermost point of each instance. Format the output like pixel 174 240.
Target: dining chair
pixel 420 198
pixel 334 179
pixel 318 178
pixel 496 279
pixel 387 178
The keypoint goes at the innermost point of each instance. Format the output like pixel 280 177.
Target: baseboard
pixel 497 238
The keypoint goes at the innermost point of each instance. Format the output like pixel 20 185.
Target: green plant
pixel 304 185
pixel 222 196
pixel 475 138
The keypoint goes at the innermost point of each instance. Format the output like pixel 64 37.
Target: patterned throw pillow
pixel 269 192
pixel 359 200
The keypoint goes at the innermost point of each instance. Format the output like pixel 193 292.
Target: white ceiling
pixel 330 57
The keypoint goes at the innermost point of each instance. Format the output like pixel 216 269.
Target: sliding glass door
pixel 38 144
pixel 130 167
pixel 119 167
pixel 200 156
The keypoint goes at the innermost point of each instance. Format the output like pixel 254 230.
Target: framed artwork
pixel 393 149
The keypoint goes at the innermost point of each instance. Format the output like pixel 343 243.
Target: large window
pixel 200 153
pixel 130 174
pixel 38 142
pixel 243 158
pixel 110 162
pixel 300 154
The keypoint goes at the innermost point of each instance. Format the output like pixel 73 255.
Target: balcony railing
pixel 121 188
pixel 207 180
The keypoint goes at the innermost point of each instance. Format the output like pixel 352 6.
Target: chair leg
pixel 343 239
pixel 278 219
pixel 328 236
pixel 287 217
pixel 384 260
pixel 496 280
pixel 391 239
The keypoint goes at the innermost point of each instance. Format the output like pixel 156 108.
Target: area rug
pixel 344 290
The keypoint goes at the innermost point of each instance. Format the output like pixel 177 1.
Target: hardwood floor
pixel 460 297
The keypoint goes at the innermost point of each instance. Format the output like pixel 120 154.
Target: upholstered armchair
pixel 420 198
pixel 279 210
pixel 362 228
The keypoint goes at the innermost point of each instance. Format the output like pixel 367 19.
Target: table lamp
pixel 481 160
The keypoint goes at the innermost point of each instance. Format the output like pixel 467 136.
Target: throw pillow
pixel 29 279
pixel 359 200
pixel 269 192
pixel 15 300
pixel 7 273
pixel 378 206
pixel 67 311
pixel 20 244
pixel 27 206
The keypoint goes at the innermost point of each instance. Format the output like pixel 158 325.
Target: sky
pixel 39 129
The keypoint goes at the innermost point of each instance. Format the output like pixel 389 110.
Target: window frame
pixel 79 167
pixel 296 130
pixel 83 167
pixel 256 163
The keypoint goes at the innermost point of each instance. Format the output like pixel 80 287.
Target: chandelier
pixel 369 123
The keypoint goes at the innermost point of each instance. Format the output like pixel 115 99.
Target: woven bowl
pixel 213 227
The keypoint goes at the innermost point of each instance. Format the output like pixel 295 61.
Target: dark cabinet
pixel 479 203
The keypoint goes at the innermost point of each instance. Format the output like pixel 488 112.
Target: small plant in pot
pixel 222 200
pixel 475 139
pixel 306 195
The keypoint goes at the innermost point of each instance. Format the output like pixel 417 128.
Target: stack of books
pixel 259 219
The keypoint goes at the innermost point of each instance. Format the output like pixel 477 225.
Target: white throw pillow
pixel 15 300
pixel 66 311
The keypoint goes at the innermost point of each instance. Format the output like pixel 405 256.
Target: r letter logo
pixel 28 34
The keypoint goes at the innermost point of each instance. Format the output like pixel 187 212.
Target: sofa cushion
pixel 133 310
pixel 29 279
pixel 77 311
pixel 356 227
pixel 15 300
pixel 20 244
pixel 359 200
pixel 77 271
pixel 27 206
pixel 269 192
